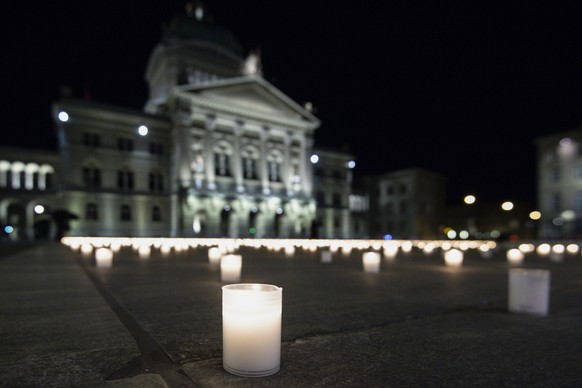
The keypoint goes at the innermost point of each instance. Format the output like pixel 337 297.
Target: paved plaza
pixel 157 321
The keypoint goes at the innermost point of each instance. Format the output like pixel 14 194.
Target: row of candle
pixel 252 313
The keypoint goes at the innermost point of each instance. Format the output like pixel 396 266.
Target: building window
pixel 274 167
pixel 221 163
pixel 403 189
pixel 156 148
pixel 124 144
pixel 125 214
pixel 337 222
pixel 156 182
pixel 124 179
pixel 337 200
pixel 403 207
pixel 249 165
pixel 554 174
pixel 389 190
pixel 91 212
pixel 156 214
pixel 320 198
pixel 91 176
pixel 91 139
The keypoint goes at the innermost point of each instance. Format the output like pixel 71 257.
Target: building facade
pixel 333 187
pixel 559 179
pixel 217 151
pixel 405 204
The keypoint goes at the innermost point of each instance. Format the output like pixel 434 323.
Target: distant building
pixel 405 204
pixel 333 187
pixel 559 176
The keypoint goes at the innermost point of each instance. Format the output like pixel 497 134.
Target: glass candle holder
pixel 529 291
pixel 251 329
pixel 371 261
pixel 103 257
pixel 230 268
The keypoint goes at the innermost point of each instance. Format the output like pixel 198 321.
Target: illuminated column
pixel 305 150
pixel 4 167
pixel 286 173
pixel 17 168
pixel 263 166
pixel 237 165
pixel 209 153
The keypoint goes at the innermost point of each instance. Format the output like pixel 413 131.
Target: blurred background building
pixel 219 151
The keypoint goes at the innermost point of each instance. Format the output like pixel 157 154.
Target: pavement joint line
pixel 154 358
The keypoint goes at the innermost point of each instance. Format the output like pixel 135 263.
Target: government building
pixel 216 151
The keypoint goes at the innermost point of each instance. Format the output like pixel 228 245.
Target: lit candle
pixel 103 257
pixel 529 291
pixel 454 258
pixel 230 268
pixel 371 261
pixel 515 256
pixel 251 329
pixel 326 257
pixel 214 255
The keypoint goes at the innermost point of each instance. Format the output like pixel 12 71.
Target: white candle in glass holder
pixel 453 258
pixel 529 291
pixel 326 256
pixel 214 255
pixel 103 257
pixel 251 329
pixel 230 268
pixel 371 261
pixel 515 256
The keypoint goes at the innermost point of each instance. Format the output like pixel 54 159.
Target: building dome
pixel 196 24
pixel 193 50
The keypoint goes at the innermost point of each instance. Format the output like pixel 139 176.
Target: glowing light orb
pixel 507 206
pixel 454 258
pixel 515 256
pixel 63 116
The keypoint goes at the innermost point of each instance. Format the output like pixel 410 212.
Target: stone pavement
pixel 156 322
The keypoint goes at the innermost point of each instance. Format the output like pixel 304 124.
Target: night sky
pixel 457 88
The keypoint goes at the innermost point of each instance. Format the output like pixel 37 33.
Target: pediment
pixel 252 94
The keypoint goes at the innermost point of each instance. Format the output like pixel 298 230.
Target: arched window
pixel 250 162
pixel 274 162
pixel 222 159
pixel 125 214
pixel 156 214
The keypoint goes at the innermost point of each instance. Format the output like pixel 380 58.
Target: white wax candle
pixel 103 257
pixel 326 256
pixel 529 291
pixel 454 258
pixel 251 329
pixel 515 256
pixel 371 261
pixel 230 268
pixel 214 256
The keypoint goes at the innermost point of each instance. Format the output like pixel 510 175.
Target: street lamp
pixel 507 205
pixel 469 199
